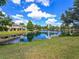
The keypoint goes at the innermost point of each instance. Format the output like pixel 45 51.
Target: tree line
pixel 71 19
pixel 4 20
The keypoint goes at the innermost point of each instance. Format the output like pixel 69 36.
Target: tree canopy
pixel 4 21
pixel 2 2
pixel 71 16
pixel 30 26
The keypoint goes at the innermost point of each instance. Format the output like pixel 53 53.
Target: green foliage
pixel 45 27
pixel 5 33
pixel 4 22
pixel 67 18
pixel 2 2
pixel 51 27
pixel 22 24
pixel 76 9
pixel 55 48
pixel 3 28
pixel 30 26
pixel 1 15
pixel 71 16
pixel 38 27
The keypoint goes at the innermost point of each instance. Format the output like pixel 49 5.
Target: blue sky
pixel 41 12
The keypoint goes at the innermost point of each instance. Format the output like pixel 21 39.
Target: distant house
pixel 16 27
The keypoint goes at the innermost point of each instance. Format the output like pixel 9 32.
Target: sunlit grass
pixel 55 48
pixel 11 32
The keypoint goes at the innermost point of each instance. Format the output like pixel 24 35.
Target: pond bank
pixel 4 36
pixel 56 48
pixel 32 36
pixel 10 35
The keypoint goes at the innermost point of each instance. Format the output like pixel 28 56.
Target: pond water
pixel 28 37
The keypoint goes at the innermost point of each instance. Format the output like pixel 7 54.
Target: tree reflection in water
pixel 30 36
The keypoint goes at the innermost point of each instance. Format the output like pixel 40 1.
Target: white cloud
pixel 35 12
pixel 29 0
pixel 58 24
pixel 32 7
pixel 16 1
pixel 17 16
pixel 40 14
pixel 3 13
pixel 43 2
pixel 21 21
pixel 53 22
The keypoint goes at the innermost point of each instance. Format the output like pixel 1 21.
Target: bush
pixel 3 28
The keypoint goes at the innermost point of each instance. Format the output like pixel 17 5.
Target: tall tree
pixel 71 16
pixel 67 17
pixel 4 22
pixel 30 26
pixel 37 27
pixel 76 10
pixel 67 20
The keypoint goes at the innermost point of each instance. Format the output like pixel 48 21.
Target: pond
pixel 28 37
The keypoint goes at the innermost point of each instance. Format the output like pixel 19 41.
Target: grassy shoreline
pixel 11 33
pixel 55 48
pixel 4 33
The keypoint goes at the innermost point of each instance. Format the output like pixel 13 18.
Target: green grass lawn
pixel 11 33
pixel 55 48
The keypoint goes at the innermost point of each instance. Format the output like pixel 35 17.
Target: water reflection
pixel 30 36
pixel 23 39
pixel 39 36
pixel 42 35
